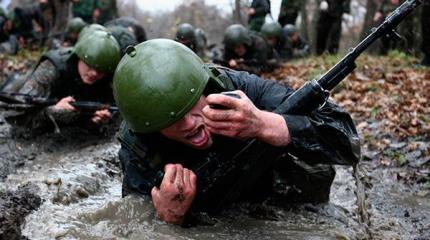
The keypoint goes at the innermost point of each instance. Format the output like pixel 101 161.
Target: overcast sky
pixel 169 5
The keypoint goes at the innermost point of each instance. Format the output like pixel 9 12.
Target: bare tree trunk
pixel 237 12
pixel 304 28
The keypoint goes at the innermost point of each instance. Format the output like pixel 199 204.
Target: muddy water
pixel 80 186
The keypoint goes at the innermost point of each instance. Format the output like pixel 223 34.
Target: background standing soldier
pixel 105 10
pixel 425 25
pixel 387 42
pixel 329 26
pixel 84 9
pixel 82 73
pixel 257 14
pixel 289 11
pixel 171 127
pixel 245 50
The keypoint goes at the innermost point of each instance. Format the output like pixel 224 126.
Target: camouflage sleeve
pixel 40 81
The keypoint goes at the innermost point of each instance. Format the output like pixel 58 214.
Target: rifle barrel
pixel 329 80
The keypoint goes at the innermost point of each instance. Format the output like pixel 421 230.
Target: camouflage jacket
pixel 55 77
pixel 326 136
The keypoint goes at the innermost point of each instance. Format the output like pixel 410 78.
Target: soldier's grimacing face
pixel 88 74
pixel 191 129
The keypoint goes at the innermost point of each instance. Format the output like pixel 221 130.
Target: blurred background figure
pixel 329 25
pixel 388 42
pixel 132 25
pixel 257 14
pixel 245 50
pixel 105 10
pixel 84 9
pixel 187 36
pixel 274 35
pixel 296 46
pixel 201 42
pixel 289 11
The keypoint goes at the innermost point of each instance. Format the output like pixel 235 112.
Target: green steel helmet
pixel 272 29
pixel 91 28
pixel 289 30
pixel 157 82
pixel 185 32
pixel 123 36
pixel 99 50
pixel 237 34
pixel 75 25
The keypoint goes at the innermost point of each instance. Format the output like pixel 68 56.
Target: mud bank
pixel 14 206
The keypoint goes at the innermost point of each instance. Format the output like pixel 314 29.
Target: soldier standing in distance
pixel 329 26
pixel 257 14
pixel 289 11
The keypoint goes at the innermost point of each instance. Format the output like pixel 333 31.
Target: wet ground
pixel 74 183
pixel 68 185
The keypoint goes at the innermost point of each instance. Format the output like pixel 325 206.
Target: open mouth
pixel 198 137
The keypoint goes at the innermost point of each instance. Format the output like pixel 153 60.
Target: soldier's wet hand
pixel 177 191
pixel 243 120
pixel 64 104
pixel 101 116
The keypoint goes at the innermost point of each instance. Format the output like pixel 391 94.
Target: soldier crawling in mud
pixel 82 73
pixel 245 50
pixel 176 119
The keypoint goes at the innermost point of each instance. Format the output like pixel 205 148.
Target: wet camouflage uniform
pixel 289 11
pixel 325 137
pixel 84 9
pixel 108 10
pixel 56 76
pixel 262 8
pixel 329 26
pixel 129 22
pixel 259 57
pixel 425 23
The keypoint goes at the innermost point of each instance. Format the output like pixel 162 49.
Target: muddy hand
pixel 176 193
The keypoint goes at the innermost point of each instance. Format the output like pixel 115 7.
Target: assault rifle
pixel 231 176
pixel 19 101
